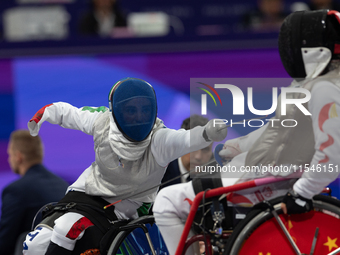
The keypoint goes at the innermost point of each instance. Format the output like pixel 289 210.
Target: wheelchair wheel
pixel 259 233
pixel 132 239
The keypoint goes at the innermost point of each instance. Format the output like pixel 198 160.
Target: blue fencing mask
pixel 134 108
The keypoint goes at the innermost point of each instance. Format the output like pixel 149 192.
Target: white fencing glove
pixel 215 130
pixel 231 148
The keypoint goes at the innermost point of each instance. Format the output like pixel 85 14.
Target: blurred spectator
pixel 324 4
pixel 102 18
pixel 188 161
pixel 299 6
pixel 23 198
pixel 268 16
pixel 315 5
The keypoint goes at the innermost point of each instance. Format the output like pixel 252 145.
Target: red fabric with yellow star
pixel 268 239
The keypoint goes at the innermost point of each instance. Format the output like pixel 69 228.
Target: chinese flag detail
pixel 331 243
pixel 302 229
pixel 189 201
pixel 238 199
pixel 78 227
pixel 324 115
pixel 259 195
pixel 37 117
pixel 327 112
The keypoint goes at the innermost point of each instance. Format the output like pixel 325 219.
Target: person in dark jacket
pixel 23 198
pixel 188 161
pixel 101 20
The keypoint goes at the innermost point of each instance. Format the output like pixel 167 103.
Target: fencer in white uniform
pixel 309 50
pixel 132 150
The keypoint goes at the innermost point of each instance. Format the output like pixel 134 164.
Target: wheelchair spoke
pixel 282 226
pixel 150 243
pixel 314 241
pixel 337 251
pixel 138 237
pixel 319 226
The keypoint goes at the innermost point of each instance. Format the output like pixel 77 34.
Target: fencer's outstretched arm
pixel 235 146
pixel 66 116
pixel 324 167
pixel 169 144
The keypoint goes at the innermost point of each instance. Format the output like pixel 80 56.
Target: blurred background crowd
pixel 169 25
pixel 75 50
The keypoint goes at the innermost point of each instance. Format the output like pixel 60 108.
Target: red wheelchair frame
pixel 185 243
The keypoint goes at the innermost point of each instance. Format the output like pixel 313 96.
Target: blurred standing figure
pixel 314 5
pixel 22 199
pixel 188 161
pixel 268 16
pixel 324 4
pixel 101 20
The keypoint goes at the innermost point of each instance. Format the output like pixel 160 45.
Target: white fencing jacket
pixel 122 169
